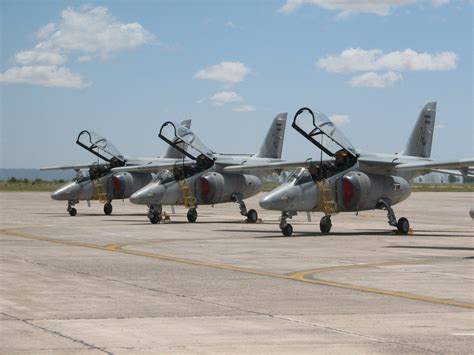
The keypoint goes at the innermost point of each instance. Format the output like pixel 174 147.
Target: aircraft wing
pixel 154 167
pixel 71 167
pixel 462 172
pixel 270 167
pixel 462 165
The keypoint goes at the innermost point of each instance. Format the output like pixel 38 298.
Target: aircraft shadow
pixel 428 247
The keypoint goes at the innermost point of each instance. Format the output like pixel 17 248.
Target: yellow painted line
pixel 118 248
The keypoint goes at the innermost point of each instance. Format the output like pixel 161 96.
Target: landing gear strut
pixel 192 215
pixel 108 208
pixel 286 228
pixel 154 214
pixel 402 225
pixel 325 224
pixel 251 215
pixel 72 211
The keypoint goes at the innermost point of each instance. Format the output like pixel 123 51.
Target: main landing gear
pixel 72 211
pixel 192 215
pixel 402 225
pixel 108 208
pixel 154 214
pixel 251 215
pixel 325 224
pixel 286 228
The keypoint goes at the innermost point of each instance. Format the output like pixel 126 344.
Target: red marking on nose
pixel 348 192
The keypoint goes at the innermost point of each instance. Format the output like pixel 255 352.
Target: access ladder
pixel 100 191
pixel 327 197
pixel 189 201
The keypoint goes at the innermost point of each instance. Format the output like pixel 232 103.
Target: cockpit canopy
pixel 185 141
pixel 101 147
pixel 322 132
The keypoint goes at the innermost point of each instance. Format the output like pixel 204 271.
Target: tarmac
pixel 120 285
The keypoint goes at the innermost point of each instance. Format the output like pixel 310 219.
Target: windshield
pixel 299 176
pixel 322 132
pixel 163 177
pixel 82 175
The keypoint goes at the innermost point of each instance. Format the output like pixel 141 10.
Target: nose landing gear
pixel 154 214
pixel 72 211
pixel 192 215
pixel 286 228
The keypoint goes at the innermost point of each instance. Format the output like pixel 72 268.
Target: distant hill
pixel 32 174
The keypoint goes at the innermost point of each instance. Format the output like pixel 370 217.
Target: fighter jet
pixel 97 181
pixel 201 178
pixel 352 180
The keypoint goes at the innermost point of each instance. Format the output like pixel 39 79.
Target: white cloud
pixel 348 7
pixel 340 120
pixel 357 59
pixel 45 31
pixel 439 3
pixel 44 75
pixel 94 31
pixel 245 108
pixel 225 72
pixel 229 24
pixel 440 126
pixel 91 32
pixel 225 97
pixel 374 80
pixel 39 57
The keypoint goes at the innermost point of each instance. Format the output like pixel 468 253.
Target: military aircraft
pixel 201 178
pixel 352 180
pixel 97 181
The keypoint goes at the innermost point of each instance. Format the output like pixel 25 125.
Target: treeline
pixel 14 180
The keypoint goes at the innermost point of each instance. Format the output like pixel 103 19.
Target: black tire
pixel 192 215
pixel 108 209
pixel 252 216
pixel 287 230
pixel 72 211
pixel 155 218
pixel 403 225
pixel 325 225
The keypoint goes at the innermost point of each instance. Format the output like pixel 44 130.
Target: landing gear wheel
pixel 252 216
pixel 192 215
pixel 72 211
pixel 154 218
pixel 108 208
pixel 287 230
pixel 325 224
pixel 403 225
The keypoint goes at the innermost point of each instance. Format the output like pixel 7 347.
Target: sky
pixel 122 68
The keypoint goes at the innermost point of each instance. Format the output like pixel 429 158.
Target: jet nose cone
pixel 148 195
pixel 67 192
pixel 277 200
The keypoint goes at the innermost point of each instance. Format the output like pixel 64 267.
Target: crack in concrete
pixel 75 340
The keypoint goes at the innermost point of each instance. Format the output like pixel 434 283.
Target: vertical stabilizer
pixel 273 144
pixel 172 153
pixel 421 138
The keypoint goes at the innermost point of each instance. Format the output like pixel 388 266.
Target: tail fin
pixel 172 153
pixel 273 144
pixel 421 138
